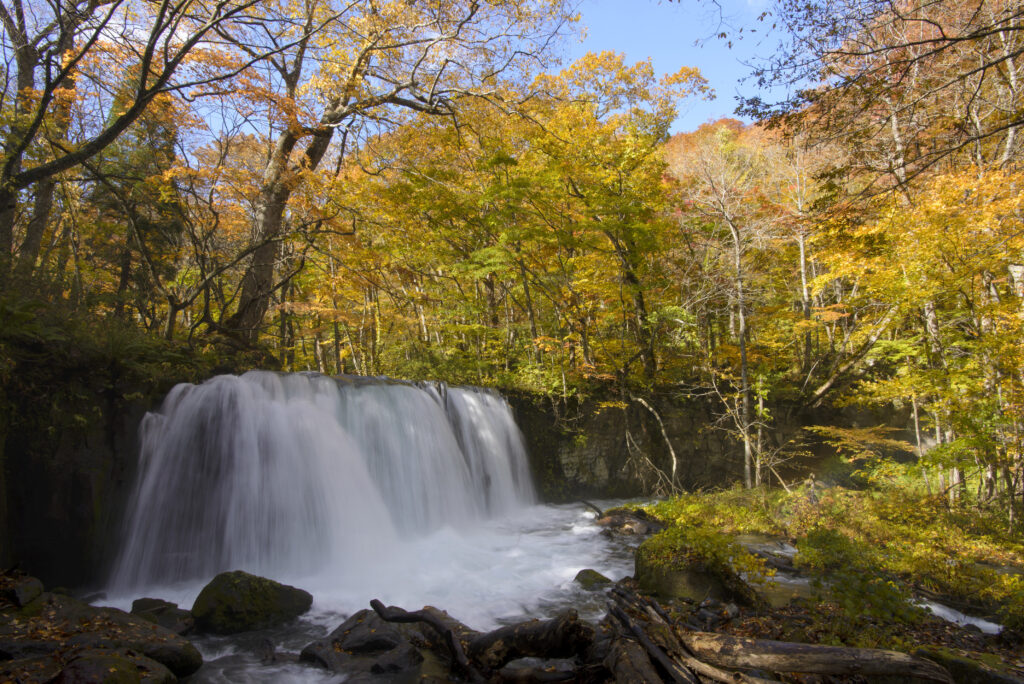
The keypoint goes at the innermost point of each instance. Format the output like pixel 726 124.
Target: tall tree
pixel 904 85
pixel 64 60
pixel 374 61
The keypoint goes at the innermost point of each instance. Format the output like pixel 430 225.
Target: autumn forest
pixel 420 189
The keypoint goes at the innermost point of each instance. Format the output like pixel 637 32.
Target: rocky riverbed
pixel 251 629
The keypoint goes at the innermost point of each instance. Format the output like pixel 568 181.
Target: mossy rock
pixel 672 566
pixel 236 602
pixel 684 577
pixel 591 580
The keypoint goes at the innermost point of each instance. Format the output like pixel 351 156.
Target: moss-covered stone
pixel 236 602
pixel 591 580
pixel 695 564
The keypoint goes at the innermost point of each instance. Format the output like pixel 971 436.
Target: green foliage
pixel 732 511
pixel 845 573
pixel 868 549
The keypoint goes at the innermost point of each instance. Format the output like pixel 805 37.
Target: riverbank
pixel 865 568
pixel 483 598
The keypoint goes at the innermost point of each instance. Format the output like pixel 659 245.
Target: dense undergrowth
pixel 869 552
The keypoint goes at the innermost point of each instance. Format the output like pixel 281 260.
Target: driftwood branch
pixel 395 614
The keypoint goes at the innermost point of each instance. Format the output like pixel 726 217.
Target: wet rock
pixel 630 521
pixel 236 602
pixel 60 627
pixel 365 644
pixel 114 667
pixel 22 590
pixel 591 580
pixel 266 652
pixel 164 613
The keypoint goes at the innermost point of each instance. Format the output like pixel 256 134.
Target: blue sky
pixel 667 32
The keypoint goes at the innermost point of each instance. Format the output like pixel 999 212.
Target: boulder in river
pixel 591 580
pixel 236 602
pixel 22 590
pixel 366 644
pixel 164 613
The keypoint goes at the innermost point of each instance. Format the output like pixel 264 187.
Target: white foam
pixel 500 570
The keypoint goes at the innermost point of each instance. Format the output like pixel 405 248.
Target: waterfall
pixel 294 474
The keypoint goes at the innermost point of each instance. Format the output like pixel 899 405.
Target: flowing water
pixel 413 494
pixel 352 489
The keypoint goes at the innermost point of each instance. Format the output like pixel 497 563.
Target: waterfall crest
pixel 293 474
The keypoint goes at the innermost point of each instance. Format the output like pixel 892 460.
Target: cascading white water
pixel 300 475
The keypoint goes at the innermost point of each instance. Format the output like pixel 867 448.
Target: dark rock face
pixel 365 645
pixel 578 448
pixel 236 602
pixel 69 463
pixel 53 632
pixel 164 613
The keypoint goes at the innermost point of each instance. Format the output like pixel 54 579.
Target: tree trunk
pixel 531 313
pixel 279 181
pixel 642 329
pixel 8 210
pixel 747 412
pixel 35 229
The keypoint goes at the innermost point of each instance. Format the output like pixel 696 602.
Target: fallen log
pixel 628 662
pixel 780 656
pixel 681 665
pixel 395 614
pixel 562 637
pixel 675 671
